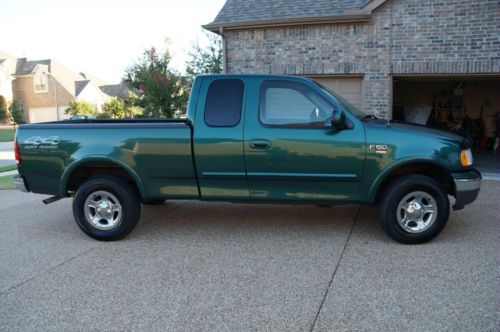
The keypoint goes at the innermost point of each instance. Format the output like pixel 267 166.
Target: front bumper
pixel 467 185
pixel 19 183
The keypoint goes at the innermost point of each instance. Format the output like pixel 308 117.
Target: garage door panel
pixel 42 114
pixel 350 88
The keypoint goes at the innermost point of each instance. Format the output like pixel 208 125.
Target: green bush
pixel 3 109
pixel 16 112
pixel 80 107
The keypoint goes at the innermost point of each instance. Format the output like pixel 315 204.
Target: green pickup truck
pixel 251 138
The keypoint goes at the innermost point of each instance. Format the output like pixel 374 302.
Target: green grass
pixel 7 168
pixel 6 182
pixel 7 134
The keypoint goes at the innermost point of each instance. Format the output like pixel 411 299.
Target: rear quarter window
pixel 224 102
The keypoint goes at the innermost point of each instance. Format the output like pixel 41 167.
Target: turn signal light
pixel 466 158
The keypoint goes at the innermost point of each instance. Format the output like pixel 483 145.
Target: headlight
pixel 466 158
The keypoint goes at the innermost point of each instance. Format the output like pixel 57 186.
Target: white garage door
pixel 45 114
pixel 350 88
pixel 42 114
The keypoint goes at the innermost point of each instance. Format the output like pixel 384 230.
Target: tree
pixel 205 60
pixel 80 107
pixel 119 108
pixel 16 112
pixel 163 91
pixel 3 109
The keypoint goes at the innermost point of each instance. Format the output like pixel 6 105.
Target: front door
pixel 293 153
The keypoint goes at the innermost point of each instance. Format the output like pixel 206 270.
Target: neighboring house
pixel 45 87
pixel 382 55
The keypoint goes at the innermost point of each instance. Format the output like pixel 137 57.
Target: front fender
pixel 387 171
pixel 68 171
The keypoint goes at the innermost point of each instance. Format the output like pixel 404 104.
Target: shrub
pixel 16 112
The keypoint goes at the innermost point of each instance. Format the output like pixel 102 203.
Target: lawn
pixel 6 182
pixel 7 134
pixel 7 168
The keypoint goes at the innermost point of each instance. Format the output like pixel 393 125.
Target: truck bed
pixel 157 153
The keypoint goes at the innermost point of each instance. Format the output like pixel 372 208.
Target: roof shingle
pixel 236 11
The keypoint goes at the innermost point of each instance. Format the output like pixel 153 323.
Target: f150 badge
pixel 379 148
pixel 35 142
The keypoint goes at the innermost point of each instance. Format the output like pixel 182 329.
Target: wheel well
pixel 438 173
pixel 92 169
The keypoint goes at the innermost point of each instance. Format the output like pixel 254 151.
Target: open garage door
pixel 469 104
pixel 350 88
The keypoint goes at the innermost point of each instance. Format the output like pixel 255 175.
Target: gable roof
pixel 260 13
pixel 96 80
pixel 79 86
pixel 25 67
pixel 116 90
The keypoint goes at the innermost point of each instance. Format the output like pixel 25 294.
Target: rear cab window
pixel 224 103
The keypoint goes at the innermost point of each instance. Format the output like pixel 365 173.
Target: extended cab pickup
pixel 251 138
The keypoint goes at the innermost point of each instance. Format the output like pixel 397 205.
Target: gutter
pixel 362 14
pixel 300 21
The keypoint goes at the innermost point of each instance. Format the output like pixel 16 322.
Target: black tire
pixel 129 207
pixel 396 192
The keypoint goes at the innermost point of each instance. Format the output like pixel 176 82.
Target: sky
pixel 102 37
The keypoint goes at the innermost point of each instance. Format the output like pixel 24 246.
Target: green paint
pixel 192 160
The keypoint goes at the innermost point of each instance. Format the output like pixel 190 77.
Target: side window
pixel 41 83
pixel 292 104
pixel 224 102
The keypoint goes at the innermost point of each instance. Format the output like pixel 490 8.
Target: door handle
pixel 260 144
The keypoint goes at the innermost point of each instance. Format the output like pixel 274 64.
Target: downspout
pixel 224 62
pixel 55 96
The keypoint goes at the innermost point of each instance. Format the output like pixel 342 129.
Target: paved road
pixel 7 153
pixel 220 266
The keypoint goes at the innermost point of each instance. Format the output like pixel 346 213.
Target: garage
pixel 45 114
pixel 350 88
pixel 467 103
pixel 464 103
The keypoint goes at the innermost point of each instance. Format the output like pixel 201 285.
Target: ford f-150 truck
pixel 251 138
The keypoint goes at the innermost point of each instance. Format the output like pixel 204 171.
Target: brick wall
pixel 445 36
pixel 23 91
pixel 426 36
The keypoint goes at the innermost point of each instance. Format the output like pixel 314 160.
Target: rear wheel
pixel 414 209
pixel 106 208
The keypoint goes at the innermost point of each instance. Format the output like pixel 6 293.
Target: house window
pixel 41 83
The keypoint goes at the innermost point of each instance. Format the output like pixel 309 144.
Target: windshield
pixel 350 107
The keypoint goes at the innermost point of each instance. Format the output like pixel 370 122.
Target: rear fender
pixel 68 171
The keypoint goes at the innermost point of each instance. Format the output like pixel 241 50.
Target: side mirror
pixel 338 119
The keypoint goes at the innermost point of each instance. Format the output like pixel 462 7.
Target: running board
pixel 51 200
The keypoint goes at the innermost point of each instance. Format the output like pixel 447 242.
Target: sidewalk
pixel 7 153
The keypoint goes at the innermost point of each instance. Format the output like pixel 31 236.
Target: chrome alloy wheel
pixel 416 212
pixel 103 210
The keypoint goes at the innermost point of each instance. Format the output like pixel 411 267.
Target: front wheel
pixel 414 209
pixel 106 208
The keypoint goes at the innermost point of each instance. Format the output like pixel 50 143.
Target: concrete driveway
pixel 220 266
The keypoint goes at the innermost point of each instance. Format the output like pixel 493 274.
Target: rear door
pixel 218 139
pixel 291 150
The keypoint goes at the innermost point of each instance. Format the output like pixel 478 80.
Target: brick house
pixel 382 55
pixel 45 87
